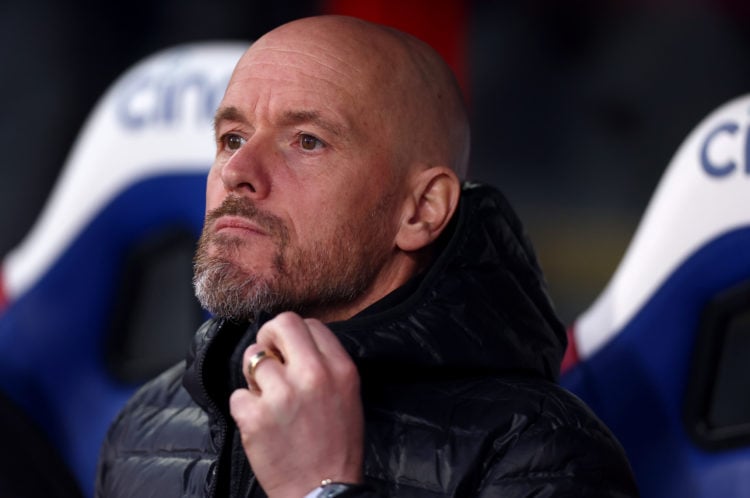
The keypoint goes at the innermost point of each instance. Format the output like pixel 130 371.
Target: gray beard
pixel 226 290
pixel 306 282
pixel 222 292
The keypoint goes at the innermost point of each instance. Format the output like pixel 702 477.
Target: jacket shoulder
pixel 492 436
pixel 556 444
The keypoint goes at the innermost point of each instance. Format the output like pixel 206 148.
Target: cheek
pixel 313 224
pixel 214 190
pixel 345 217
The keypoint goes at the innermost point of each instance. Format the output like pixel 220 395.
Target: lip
pixel 236 223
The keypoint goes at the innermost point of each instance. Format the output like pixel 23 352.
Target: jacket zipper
pixel 223 429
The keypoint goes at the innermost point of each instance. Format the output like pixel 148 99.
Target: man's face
pixel 302 199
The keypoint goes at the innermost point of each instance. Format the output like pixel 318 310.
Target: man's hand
pixel 304 421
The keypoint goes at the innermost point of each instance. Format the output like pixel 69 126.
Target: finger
pixel 334 353
pixel 325 340
pixel 290 336
pixel 253 364
pixel 241 408
pixel 261 366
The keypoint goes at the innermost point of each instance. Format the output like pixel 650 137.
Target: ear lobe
pixel 435 194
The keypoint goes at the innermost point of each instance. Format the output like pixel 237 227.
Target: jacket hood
pixel 481 306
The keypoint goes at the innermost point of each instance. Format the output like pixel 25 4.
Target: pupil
pixel 308 142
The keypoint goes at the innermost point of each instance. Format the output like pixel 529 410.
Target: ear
pixel 434 196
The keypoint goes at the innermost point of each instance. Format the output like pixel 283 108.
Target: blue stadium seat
pixel 98 296
pixel 663 355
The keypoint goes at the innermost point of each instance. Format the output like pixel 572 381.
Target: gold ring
pixel 255 360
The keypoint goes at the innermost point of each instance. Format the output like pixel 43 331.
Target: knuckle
pixel 313 379
pixel 347 371
pixel 243 414
pixel 283 396
pixel 282 321
pixel 287 318
pixel 313 322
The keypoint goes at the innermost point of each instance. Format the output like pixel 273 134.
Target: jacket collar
pixel 482 306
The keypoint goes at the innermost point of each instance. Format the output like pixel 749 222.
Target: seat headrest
pixel 154 120
pixel 703 194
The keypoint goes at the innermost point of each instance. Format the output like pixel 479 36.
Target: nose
pixel 246 171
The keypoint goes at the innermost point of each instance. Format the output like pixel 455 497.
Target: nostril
pixel 244 174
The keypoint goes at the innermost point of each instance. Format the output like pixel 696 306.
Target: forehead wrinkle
pixel 347 69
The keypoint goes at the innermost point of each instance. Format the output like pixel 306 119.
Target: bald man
pixel 380 329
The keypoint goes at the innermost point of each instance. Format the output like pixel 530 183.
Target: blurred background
pixel 577 107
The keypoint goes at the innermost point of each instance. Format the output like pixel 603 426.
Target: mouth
pixel 237 225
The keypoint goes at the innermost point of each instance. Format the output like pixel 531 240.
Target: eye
pixel 309 142
pixel 233 142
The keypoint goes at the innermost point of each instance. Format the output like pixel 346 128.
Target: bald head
pixel 340 145
pixel 396 82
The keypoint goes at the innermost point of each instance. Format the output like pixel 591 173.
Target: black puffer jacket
pixel 458 382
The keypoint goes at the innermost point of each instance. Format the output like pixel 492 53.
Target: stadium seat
pixel 663 355
pixel 97 297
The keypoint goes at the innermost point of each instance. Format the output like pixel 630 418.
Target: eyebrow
pixel 230 113
pixel 288 118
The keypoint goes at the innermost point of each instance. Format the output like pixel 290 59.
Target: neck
pixel 391 277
